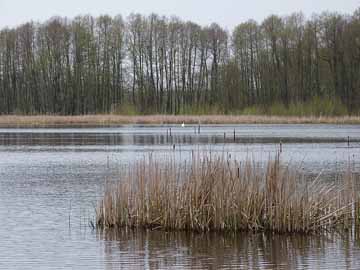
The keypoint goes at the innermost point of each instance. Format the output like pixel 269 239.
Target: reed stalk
pixel 220 194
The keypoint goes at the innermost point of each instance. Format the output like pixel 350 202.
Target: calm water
pixel 51 180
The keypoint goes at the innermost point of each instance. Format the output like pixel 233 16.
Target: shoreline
pixel 99 120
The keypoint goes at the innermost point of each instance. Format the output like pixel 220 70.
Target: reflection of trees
pixel 213 250
pixel 56 138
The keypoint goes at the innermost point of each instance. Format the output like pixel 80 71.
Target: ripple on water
pixel 49 175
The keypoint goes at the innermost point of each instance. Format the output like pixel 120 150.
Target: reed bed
pixel 218 194
pixel 112 119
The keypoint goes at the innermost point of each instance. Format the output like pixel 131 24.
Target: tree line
pixel 157 64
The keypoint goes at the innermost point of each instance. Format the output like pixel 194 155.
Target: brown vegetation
pixel 101 120
pixel 218 194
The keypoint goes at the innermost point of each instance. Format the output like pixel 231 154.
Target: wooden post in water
pixel 170 132
pixel 173 146
pixel 199 129
pixel 70 215
pixel 280 146
pixel 348 141
pixel 224 136
pixel 234 135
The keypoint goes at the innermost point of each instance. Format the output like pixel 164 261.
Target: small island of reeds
pixel 222 194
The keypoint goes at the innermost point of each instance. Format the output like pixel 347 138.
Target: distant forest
pixel 155 64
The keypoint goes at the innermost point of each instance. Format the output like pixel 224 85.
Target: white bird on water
pixel 183 124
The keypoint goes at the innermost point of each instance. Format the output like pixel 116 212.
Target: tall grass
pixel 217 194
pixel 113 119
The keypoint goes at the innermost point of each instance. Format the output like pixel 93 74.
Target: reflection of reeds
pixel 220 250
pixel 217 194
pixel 111 119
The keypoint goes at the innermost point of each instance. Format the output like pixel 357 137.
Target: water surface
pixel 51 179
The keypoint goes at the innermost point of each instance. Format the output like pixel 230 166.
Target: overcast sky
pixel 227 13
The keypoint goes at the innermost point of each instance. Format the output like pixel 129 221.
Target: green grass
pixel 316 107
pixel 124 109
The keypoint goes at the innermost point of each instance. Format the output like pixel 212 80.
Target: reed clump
pixel 219 194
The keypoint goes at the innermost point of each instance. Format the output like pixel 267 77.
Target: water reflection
pixel 44 171
pixel 166 250
pixel 159 135
pixel 149 139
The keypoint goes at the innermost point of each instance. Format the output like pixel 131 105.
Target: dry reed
pixel 217 194
pixel 111 119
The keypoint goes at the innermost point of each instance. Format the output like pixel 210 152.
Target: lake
pixel 52 178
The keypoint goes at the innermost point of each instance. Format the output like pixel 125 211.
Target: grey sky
pixel 227 13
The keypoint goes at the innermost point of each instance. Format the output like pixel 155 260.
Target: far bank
pixel 112 119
